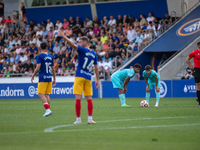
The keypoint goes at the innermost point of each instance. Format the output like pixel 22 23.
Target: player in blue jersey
pixel 45 67
pixel 153 80
pixel 82 83
pixel 124 75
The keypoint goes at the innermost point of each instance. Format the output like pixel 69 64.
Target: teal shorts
pixel 117 83
pixel 152 84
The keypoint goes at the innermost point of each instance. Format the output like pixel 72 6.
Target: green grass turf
pixel 22 125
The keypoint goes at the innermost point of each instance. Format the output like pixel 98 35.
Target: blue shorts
pixel 117 83
pixel 152 84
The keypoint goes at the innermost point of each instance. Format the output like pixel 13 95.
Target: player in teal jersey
pixel 153 80
pixel 124 75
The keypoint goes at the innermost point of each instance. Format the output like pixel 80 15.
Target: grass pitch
pixel 174 125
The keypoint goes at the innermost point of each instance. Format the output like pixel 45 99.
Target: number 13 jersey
pixel 86 59
pixel 45 72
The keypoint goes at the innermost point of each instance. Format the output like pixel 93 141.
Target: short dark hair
pixel 85 38
pixel 43 45
pixel 137 66
pixel 147 67
pixel 198 44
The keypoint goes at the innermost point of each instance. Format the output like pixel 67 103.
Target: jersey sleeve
pixel 154 74
pixel 81 49
pixel 131 73
pixel 52 62
pixel 38 60
pixel 192 54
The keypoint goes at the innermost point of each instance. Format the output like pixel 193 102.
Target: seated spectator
pixel 49 24
pixel 90 32
pixel 139 38
pixel 188 74
pixel 55 33
pixel 157 29
pixel 32 25
pixel 115 38
pixel 12 33
pixel 18 50
pixel 44 32
pixel 104 38
pixel 147 37
pixel 56 48
pixel 101 73
pixel 96 29
pixel 136 23
pixel 65 24
pixel 2 42
pixel 50 34
pixel 32 51
pixel 39 32
pixel 131 21
pixel 105 20
pixel 78 26
pixel 119 20
pixel 9 20
pixel 136 48
pixel 2 27
pixel 72 24
pixel 96 21
pixel 88 23
pixel 23 58
pixel 105 46
pixel 167 20
pixel 108 68
pixel 59 24
pixel 125 20
pixel 116 63
pixel 151 26
pixel 150 18
pixel 131 34
pixel 112 22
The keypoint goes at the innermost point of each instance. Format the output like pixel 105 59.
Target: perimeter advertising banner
pixel 28 90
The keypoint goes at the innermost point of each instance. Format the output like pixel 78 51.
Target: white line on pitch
pixel 122 128
pixel 60 126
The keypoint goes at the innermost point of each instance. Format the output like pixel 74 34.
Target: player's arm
pixel 157 88
pixel 97 75
pixel 35 72
pixel 71 43
pixel 126 81
pixel 189 63
pixel 54 75
pixel 145 79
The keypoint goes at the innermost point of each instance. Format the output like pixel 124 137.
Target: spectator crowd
pixel 113 39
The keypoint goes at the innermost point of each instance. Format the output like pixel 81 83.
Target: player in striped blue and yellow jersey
pixel 45 70
pixel 82 83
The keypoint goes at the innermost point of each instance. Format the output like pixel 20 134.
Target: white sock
pixel 78 119
pixel 156 103
pixel 45 103
pixel 89 117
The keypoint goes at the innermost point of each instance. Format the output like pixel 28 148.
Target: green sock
pixel 122 99
pixel 157 97
pixel 147 97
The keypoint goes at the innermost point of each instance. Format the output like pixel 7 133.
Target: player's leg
pixel 197 81
pixel 42 86
pixel 119 85
pixel 158 95
pixel 87 90
pixel 148 89
pixel 77 91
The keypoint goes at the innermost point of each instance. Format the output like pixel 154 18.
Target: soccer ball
pixel 144 103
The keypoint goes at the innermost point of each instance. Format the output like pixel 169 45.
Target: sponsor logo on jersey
pixel 189 28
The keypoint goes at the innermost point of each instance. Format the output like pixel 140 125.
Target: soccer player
pixel 124 75
pixel 153 80
pixel 196 69
pixel 82 83
pixel 45 67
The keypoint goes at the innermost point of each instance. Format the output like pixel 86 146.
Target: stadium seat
pixel 50 3
pixel 64 3
pixel 58 3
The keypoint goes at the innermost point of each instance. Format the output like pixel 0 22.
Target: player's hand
pixel 60 33
pixel 147 88
pixel 32 78
pixel 157 89
pixel 125 90
pixel 192 68
pixel 96 84
pixel 54 83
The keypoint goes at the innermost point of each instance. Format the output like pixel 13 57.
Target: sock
pixel 78 108
pixel 198 96
pixel 122 99
pixel 89 117
pixel 157 97
pixel 46 106
pixel 78 119
pixel 90 107
pixel 147 97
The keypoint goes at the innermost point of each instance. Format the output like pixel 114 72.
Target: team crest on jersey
pixel 189 28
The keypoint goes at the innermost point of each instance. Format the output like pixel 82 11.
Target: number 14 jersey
pixel 86 59
pixel 45 72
